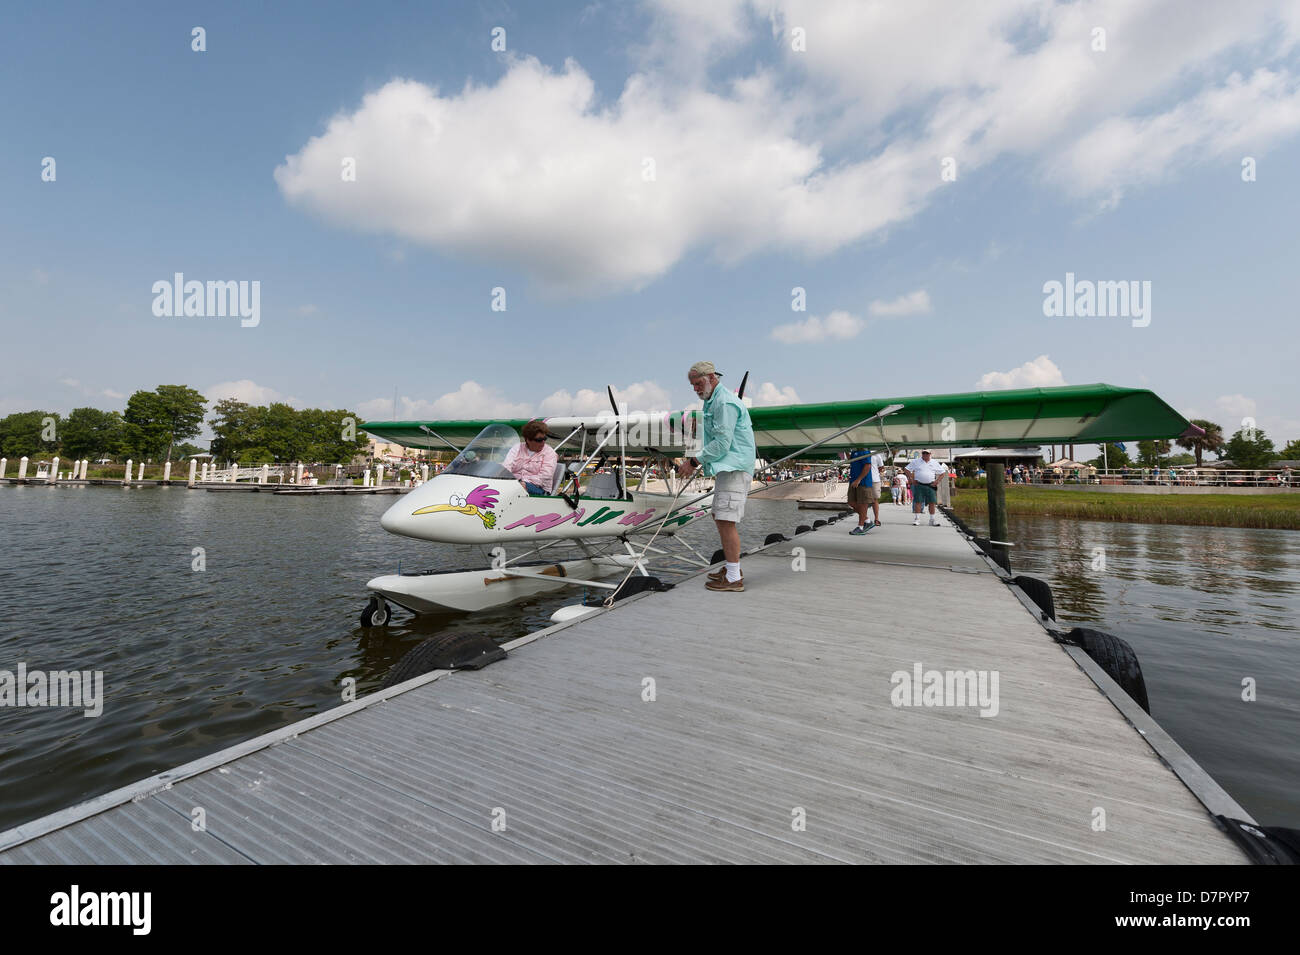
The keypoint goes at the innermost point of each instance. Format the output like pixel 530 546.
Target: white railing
pixel 228 475
pixel 1164 477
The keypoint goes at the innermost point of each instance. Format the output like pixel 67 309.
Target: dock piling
pixel 22 468
pixel 54 472
pixel 995 474
pixel 167 472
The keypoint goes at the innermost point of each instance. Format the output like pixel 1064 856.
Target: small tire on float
pixel 376 614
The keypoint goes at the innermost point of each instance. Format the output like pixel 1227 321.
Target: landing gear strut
pixel 376 613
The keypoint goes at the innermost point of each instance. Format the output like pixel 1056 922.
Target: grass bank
pixel 1270 511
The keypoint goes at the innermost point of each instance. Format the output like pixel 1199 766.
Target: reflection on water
pixel 194 661
pixel 1205 609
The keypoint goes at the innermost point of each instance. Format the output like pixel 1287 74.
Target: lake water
pixel 102 579
pixel 1204 608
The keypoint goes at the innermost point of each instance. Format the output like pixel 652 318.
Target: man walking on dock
pixel 727 453
pixel 923 475
pixel 864 488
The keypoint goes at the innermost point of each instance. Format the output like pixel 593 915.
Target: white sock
pixel 733 572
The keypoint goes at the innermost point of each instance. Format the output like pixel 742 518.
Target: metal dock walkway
pixel 771 737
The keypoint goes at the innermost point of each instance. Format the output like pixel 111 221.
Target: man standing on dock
pixel 727 453
pixel 923 475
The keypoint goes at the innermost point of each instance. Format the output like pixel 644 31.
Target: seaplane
pixel 617 530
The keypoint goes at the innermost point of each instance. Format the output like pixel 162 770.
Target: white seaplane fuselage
pixel 461 509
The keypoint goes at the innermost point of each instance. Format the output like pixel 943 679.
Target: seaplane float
pixel 610 530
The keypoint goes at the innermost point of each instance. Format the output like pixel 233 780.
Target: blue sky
pixel 774 167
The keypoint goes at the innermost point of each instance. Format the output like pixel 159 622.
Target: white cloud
pixel 1039 373
pixel 307 309
pixel 1235 407
pixel 913 303
pixel 110 393
pixel 807 151
pixel 470 401
pixel 70 382
pixel 642 396
pixel 248 392
pixel 838 324
pixel 770 394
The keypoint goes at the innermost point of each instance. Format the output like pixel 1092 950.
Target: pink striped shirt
pixel 535 467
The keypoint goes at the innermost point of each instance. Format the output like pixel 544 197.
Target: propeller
pixel 740 393
pixel 613 404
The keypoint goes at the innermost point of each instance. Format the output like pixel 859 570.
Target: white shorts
pixel 730 488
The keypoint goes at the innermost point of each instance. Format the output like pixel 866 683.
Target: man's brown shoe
pixel 737 586
pixel 722 574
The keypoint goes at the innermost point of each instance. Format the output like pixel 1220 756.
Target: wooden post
pixel 194 466
pixel 126 481
pixel 997 493
pixel 167 472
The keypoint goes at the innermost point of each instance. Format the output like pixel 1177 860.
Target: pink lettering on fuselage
pixel 544 522
pixel 634 518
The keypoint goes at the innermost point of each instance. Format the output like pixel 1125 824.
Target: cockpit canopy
pixel 485 456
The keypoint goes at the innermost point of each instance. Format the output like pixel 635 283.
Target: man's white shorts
pixel 730 488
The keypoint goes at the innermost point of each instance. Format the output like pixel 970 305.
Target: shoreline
pixel 1256 512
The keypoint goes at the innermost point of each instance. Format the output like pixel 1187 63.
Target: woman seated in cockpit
pixel 533 462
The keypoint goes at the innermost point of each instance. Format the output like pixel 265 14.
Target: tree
pixel 1250 451
pixel 29 433
pixel 163 416
pixel 90 433
pixel 1114 457
pixel 1291 452
pixel 1150 452
pixel 232 428
pixel 1212 441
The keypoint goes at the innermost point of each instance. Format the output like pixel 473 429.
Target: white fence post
pixel 22 468
pixel 127 480
pixel 194 466
pixel 4 466
pixel 265 476
pixel 167 472
pixel 139 473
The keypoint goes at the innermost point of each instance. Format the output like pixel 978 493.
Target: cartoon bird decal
pixel 477 503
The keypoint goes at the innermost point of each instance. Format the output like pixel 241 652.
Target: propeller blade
pixel 743 382
pixel 613 404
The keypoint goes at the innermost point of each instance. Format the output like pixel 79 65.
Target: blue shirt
pixel 728 435
pixel 855 468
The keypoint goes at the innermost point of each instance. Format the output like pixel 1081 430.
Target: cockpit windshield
pixel 485 456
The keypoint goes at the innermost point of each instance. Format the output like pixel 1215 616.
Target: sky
pixel 467 210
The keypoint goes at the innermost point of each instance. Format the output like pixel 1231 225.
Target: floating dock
pixel 693 726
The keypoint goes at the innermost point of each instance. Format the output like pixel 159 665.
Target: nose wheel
pixel 376 613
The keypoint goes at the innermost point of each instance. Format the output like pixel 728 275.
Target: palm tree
pixel 1212 440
